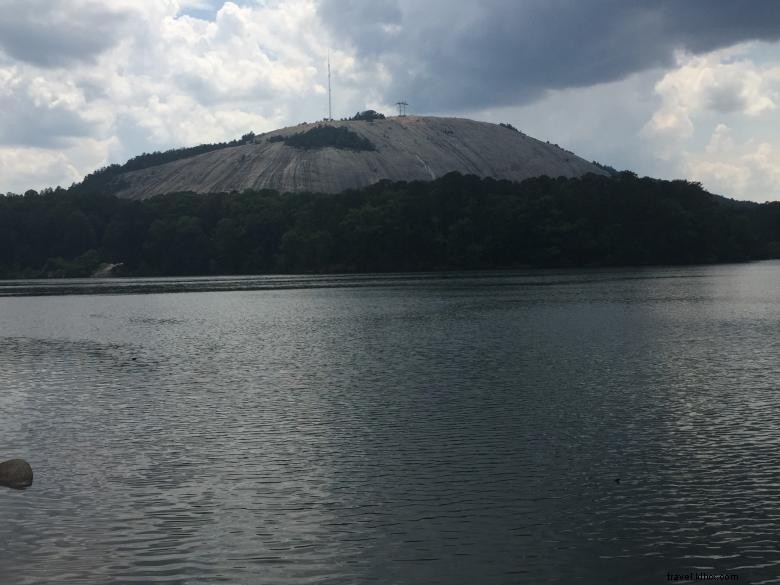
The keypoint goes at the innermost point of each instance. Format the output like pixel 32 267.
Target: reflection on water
pixel 393 429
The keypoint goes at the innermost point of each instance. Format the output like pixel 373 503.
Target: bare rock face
pixel 16 473
pixel 404 148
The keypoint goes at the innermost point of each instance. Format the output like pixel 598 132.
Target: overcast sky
pixel 668 88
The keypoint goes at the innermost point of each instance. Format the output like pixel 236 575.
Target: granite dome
pixel 399 149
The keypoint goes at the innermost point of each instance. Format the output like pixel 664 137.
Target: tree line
pixel 455 222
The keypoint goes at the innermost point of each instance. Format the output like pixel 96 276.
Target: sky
pixel 666 88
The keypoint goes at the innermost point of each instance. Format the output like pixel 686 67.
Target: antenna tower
pixel 330 102
pixel 401 108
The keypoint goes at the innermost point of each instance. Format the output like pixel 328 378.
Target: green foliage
pixel 324 136
pixel 455 222
pixel 611 170
pixel 368 115
pixel 80 267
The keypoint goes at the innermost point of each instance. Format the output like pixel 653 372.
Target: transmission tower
pixel 330 97
pixel 401 108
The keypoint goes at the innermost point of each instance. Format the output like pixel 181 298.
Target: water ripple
pixel 554 427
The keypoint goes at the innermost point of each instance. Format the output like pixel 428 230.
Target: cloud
pixel 602 122
pixel 35 112
pixel 55 33
pixel 715 123
pixel 722 82
pixel 445 56
pixel 713 118
pixel 745 170
pixel 167 79
pixel 37 168
pixel 84 83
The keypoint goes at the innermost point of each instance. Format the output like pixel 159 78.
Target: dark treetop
pixel 455 222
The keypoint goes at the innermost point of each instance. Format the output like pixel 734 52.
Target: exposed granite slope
pixel 406 148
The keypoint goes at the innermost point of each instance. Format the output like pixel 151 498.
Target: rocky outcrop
pixel 105 270
pixel 403 149
pixel 16 473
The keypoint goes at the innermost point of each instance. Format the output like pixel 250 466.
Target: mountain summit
pixel 332 156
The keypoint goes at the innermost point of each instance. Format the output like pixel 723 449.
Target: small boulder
pixel 16 473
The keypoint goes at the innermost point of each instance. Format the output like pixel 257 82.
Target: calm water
pixel 406 429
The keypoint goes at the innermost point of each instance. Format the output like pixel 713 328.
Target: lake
pixel 590 426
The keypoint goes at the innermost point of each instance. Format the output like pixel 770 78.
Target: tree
pixel 78 235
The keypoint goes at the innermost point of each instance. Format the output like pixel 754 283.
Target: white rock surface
pixel 407 148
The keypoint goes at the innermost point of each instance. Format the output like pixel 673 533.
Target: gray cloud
pixel 726 98
pixel 23 123
pixel 445 55
pixel 55 33
pixel 365 24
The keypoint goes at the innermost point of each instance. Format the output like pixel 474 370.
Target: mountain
pixel 333 156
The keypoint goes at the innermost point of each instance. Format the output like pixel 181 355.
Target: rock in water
pixel 16 473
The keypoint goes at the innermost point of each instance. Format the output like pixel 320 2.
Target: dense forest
pixel 323 136
pixel 455 222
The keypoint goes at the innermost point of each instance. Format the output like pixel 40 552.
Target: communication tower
pixel 330 97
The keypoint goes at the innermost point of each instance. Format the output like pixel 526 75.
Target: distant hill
pixel 332 156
